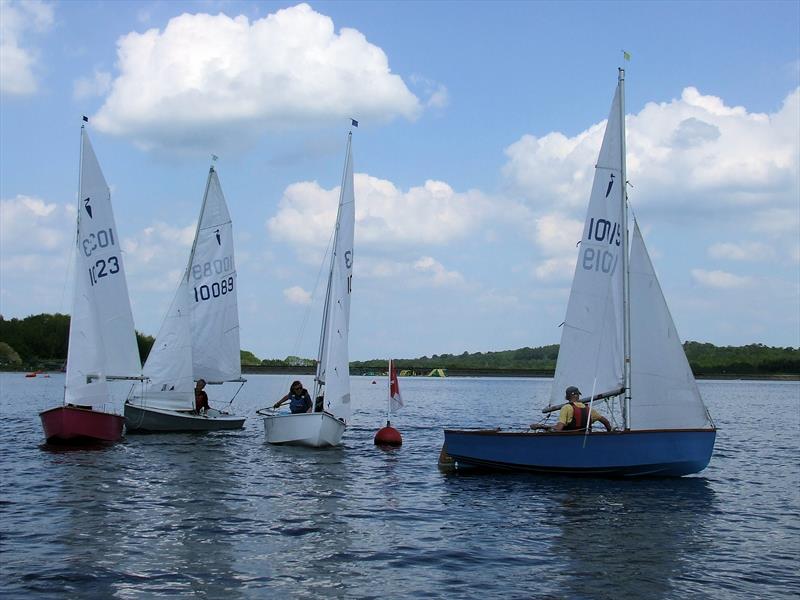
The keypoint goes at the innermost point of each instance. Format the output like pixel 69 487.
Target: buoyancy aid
pixel 299 403
pixel 580 415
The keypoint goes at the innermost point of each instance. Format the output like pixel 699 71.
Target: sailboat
pixel 332 381
pixel 618 342
pixel 102 340
pixel 199 337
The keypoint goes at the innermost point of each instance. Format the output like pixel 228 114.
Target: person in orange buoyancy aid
pixel 200 397
pixel 575 414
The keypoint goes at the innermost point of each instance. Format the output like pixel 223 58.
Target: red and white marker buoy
pixel 389 436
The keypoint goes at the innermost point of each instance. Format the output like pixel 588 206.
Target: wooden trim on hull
pixel 581 433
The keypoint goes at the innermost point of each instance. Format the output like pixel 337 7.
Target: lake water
pixel 225 515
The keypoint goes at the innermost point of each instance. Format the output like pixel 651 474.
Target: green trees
pixel 705 359
pixel 41 341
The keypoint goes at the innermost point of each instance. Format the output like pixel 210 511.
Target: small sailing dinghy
pixel 102 340
pixel 332 381
pixel 618 342
pixel 199 338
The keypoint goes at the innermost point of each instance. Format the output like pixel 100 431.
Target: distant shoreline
pixel 423 372
pixel 525 373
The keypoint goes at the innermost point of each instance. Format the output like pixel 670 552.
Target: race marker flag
pixel 395 399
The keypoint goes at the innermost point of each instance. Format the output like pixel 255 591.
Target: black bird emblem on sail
pixel 219 242
pixel 610 185
pixel 88 207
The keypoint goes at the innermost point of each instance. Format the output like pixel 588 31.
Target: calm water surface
pixel 225 515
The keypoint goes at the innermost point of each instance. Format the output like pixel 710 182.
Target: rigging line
pixel 241 385
pixel 304 322
pixel 589 416
pixel 71 258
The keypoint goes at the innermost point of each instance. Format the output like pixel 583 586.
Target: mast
pixel 389 399
pixel 318 382
pixel 77 251
pixel 626 286
pixel 199 221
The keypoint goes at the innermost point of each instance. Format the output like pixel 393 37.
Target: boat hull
pixel 69 424
pixel 145 419
pixel 652 453
pixel 315 430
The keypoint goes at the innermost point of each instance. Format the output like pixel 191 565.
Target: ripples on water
pixel 224 515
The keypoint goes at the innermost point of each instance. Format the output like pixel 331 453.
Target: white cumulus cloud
pixel 556 236
pixel 96 85
pixel 424 271
pixel 33 225
pixel 720 279
pixel 36 255
pixel 19 61
pixel 214 78
pixel 693 151
pixel 439 276
pixel 297 295
pixel 749 251
pixel 156 256
pixel 694 157
pixel 431 214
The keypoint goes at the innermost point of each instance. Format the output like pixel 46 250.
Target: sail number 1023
pixel 215 290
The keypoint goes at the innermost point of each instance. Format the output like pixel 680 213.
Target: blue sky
pixel 479 127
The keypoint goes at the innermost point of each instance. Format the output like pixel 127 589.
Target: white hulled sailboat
pixel 332 380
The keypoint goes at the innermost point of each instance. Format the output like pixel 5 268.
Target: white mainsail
pixel 666 394
pixel 102 339
pixel 333 369
pixel 591 351
pixel 216 352
pixel 199 338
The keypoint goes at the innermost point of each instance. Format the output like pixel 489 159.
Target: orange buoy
pixel 388 436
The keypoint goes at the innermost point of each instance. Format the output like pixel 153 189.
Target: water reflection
pixel 85 554
pixel 629 539
pixel 180 516
pixel 310 537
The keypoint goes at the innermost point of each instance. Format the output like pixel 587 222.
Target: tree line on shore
pixel 40 342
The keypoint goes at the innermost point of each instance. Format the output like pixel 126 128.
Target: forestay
pixel 665 394
pixel 333 365
pixel 592 336
pixel 102 339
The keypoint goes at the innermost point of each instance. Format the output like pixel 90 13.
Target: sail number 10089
pixel 215 290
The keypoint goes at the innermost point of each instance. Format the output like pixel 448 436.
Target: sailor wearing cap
pixel 574 413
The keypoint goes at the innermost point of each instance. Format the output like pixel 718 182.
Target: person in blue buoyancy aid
pixel 298 398
pixel 575 413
